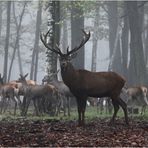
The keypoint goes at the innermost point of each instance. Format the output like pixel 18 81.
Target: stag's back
pixel 97 84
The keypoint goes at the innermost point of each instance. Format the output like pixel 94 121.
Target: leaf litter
pixel 59 133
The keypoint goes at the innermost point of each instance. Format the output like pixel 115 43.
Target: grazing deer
pixel 19 90
pixel 62 89
pixel 37 93
pixel 137 96
pixel 84 83
pixel 7 93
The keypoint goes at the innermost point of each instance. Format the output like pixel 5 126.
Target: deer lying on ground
pixel 137 96
pixel 62 89
pixel 84 84
pixel 39 94
pixel 7 93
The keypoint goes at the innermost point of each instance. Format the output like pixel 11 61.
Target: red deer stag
pixel 84 84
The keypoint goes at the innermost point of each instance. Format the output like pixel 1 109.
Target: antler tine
pixel 58 48
pixel 44 41
pixel 67 49
pixel 84 40
pixel 21 76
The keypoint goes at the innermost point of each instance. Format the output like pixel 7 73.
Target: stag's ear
pixel 25 75
pixel 73 55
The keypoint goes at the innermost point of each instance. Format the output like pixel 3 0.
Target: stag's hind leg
pixel 124 107
pixel 68 105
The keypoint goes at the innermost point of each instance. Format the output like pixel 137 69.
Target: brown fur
pixel 84 84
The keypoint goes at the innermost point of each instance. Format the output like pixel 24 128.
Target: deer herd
pixel 78 83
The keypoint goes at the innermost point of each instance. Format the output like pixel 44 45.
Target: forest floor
pixel 60 133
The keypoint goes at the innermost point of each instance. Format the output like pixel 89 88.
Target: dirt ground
pixel 55 133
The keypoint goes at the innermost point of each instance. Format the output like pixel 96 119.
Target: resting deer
pixel 137 96
pixel 62 89
pixel 84 83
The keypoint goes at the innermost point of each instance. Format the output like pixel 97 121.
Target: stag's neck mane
pixel 69 74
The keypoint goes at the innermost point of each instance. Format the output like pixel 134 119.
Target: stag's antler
pixel 84 40
pixel 43 38
pixel 58 50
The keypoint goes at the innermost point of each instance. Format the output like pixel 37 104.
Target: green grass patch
pixel 90 114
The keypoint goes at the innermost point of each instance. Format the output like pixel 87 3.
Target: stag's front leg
pixel 79 111
pixel 83 102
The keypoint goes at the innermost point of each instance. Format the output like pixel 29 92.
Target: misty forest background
pixel 119 37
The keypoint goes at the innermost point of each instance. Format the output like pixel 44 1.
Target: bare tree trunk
pixel 1 14
pixel 34 63
pixel 39 20
pixel 19 60
pixel 56 30
pixel 64 38
pixel 7 41
pixel 115 48
pixel 77 23
pixel 18 27
pixel 145 41
pixel 141 25
pixel 95 38
pixel 114 37
pixel 113 20
pixel 125 41
pixel 137 68
pixel 54 35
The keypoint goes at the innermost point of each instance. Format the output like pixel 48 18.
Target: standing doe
pixel 63 90
pixel 137 96
pixel 7 93
pixel 39 94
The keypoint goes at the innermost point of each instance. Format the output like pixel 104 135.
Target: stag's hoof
pixel 127 124
pixel 81 124
pixel 111 123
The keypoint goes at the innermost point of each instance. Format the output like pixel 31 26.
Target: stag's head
pixel 64 58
